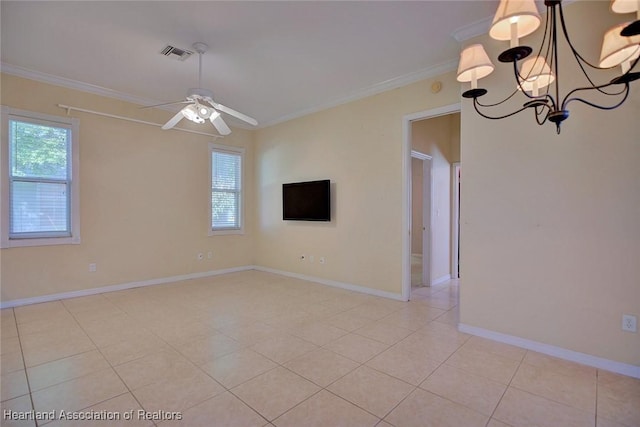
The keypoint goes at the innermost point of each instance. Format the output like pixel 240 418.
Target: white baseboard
pixel 441 280
pixel 120 287
pixel 551 350
pixel 159 281
pixel 333 283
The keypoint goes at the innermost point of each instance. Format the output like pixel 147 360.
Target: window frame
pixel 224 149
pixel 7 240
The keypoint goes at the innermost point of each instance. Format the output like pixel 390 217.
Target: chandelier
pixel 538 76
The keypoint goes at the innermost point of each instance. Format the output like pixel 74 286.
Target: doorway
pixel 437 211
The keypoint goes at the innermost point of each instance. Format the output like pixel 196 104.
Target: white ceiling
pixel 270 60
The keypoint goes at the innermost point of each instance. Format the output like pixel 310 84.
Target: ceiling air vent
pixel 176 53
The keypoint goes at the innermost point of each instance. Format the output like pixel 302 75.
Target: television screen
pixel 306 201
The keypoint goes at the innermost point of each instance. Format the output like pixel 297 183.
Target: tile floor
pixel 258 349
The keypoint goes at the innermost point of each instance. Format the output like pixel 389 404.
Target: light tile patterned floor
pixel 258 349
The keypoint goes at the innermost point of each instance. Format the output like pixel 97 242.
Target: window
pixel 40 203
pixel 226 190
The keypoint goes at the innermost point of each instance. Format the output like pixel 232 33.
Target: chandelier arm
pixel 498 103
pixel 547 33
pixel 601 107
pixel 547 55
pixel 542 44
pixel 554 52
pixel 573 49
pixel 546 95
pixel 580 60
pixel 632 66
pixel 567 98
pixel 539 110
pixel 476 103
pixel 599 89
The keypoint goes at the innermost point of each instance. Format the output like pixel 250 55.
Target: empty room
pixel 320 213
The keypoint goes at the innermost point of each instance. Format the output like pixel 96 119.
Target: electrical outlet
pixel 200 256
pixel 629 323
pixel 93 267
pixel 311 258
pixel 209 254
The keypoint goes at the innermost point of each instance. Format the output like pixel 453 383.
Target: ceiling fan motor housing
pixel 197 92
pixel 200 47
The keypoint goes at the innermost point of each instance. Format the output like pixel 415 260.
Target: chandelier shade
pixel 628 6
pixel 624 6
pixel 535 74
pixel 474 63
pixel 517 18
pixel 617 49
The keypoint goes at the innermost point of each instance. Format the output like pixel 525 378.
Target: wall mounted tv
pixel 306 201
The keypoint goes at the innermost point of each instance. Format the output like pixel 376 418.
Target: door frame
pixel 406 187
pixel 427 225
pixel 455 219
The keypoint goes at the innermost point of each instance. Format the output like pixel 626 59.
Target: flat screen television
pixel 306 201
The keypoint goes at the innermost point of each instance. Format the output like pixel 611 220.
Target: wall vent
pixel 176 53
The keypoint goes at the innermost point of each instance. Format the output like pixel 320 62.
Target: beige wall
pixel 144 203
pixel 358 146
pixel 439 138
pixel 550 230
pixel 144 194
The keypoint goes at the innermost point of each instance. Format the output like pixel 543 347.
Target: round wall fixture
pixel 436 87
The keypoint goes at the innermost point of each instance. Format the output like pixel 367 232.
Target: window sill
pixel 226 232
pixel 49 241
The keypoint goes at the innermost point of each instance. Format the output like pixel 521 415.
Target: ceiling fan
pixel 201 106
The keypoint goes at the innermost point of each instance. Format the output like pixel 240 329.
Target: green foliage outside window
pixel 38 150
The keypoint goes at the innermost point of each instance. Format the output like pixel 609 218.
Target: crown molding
pixel 374 89
pixel 472 30
pixel 482 26
pixel 27 73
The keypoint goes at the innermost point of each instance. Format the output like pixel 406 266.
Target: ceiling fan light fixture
pixel 204 112
pixel 190 112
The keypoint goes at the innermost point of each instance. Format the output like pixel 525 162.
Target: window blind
pixel 39 188
pixel 225 190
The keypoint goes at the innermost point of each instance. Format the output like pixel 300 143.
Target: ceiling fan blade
pixel 166 103
pixel 173 121
pixel 219 124
pixel 235 113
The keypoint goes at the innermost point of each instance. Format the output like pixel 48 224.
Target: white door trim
pixel 455 218
pixel 427 215
pixel 406 187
